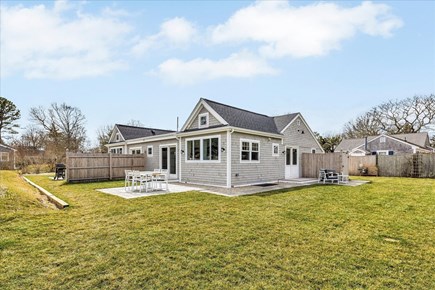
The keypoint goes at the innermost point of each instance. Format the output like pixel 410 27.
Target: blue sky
pixel 152 61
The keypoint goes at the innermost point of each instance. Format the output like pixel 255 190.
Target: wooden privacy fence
pixel 406 165
pixel 311 163
pixel 101 166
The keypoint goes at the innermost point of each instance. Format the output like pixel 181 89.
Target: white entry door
pixel 291 162
pixel 168 160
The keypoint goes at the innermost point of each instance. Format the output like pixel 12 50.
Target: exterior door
pixel 168 160
pixel 291 162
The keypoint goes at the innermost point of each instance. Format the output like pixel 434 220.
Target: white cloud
pixel 60 42
pixel 177 32
pixel 310 30
pixel 237 65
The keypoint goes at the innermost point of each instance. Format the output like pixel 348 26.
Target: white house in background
pixel 387 144
pixel 224 146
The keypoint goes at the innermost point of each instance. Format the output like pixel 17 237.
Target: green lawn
pixel 378 235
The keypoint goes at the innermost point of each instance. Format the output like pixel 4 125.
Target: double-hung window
pixel 249 151
pixel 203 149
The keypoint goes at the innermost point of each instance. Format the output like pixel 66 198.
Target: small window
pixel 298 122
pixel 250 151
pixel 150 151
pixel 275 149
pixel 4 156
pixel 203 120
pixel 135 151
pixel 118 137
pixel 382 139
pixel 313 150
pixel 116 150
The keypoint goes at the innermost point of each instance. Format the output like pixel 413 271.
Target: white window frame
pixel 387 152
pixel 298 122
pixel 273 149
pixel 134 149
pixel 250 141
pixel 117 149
pixel 152 150
pixel 4 154
pixel 382 139
pixel 313 150
pixel 117 137
pixel 201 149
pixel 207 117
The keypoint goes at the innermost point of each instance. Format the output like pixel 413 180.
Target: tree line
pixel 61 127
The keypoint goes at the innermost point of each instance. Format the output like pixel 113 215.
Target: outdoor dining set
pixel 146 180
pixel 330 175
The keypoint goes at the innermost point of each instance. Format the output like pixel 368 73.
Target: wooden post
pixel 110 166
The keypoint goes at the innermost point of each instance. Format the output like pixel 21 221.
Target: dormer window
pixel 203 120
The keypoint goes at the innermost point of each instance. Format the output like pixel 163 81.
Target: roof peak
pixel 147 128
pixel 233 107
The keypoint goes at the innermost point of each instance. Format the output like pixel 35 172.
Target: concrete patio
pixel 176 187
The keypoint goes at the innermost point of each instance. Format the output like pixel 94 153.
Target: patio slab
pixel 175 187
pixel 172 188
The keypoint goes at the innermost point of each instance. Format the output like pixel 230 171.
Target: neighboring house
pixel 221 145
pixel 7 157
pixel 387 144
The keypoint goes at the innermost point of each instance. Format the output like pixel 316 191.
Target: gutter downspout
pixel 229 163
pixel 179 157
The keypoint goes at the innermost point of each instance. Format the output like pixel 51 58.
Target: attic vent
pixel 153 132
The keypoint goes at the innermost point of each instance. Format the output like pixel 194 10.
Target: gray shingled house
pixel 7 157
pixel 387 144
pixel 221 145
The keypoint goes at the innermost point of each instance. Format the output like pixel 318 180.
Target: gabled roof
pixel 421 139
pixel 415 139
pixel 6 148
pixel 132 132
pixel 282 121
pixel 245 119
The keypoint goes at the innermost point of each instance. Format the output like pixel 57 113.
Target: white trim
pixel 229 150
pixel 171 145
pixel 273 151
pixel 250 141
pixel 179 159
pixel 130 150
pixel 230 128
pixel 152 150
pixel 378 152
pixel 306 125
pixel 196 110
pixel 382 139
pixel 201 149
pixel 414 147
pixel 114 133
pixel 115 148
pixel 207 117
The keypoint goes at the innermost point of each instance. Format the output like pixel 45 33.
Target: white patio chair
pixel 129 178
pixel 145 181
pixel 160 179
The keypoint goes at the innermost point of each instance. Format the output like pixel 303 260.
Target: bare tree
pixel 63 126
pixel 410 115
pixel 103 137
pixel 135 123
pixel 8 115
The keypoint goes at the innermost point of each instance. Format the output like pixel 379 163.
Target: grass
pixel 379 235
